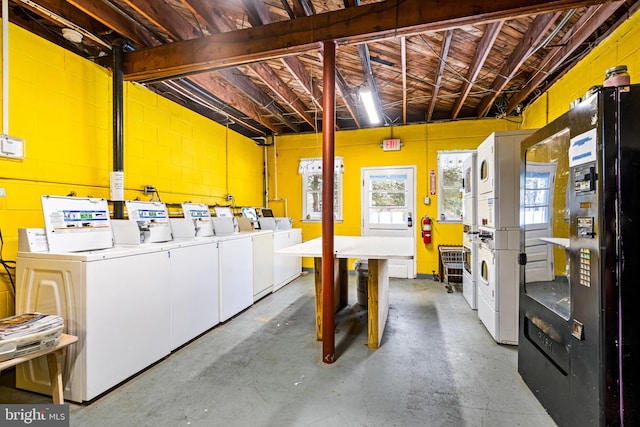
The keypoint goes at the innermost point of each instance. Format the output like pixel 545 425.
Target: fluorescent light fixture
pixel 367 99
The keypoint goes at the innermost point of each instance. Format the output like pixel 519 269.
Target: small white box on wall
pixel 11 147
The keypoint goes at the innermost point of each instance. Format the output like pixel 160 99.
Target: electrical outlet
pixel 229 197
pixel 149 189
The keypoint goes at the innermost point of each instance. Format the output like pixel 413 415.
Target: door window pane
pixel 388 199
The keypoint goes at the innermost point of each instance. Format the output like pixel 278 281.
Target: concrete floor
pixel 437 366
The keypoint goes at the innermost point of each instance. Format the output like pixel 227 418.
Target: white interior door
pixel 388 209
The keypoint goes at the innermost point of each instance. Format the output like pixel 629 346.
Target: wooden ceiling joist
pixel 484 47
pixel 532 38
pixel 571 41
pixel 352 25
pixel 444 52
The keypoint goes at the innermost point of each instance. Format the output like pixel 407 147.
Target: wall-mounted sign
pixel 391 145
pixel 432 182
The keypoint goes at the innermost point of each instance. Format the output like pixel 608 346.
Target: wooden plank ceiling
pixel 256 65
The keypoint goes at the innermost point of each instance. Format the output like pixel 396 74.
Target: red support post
pixel 328 151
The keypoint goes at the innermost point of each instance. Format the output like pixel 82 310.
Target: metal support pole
pixel 328 149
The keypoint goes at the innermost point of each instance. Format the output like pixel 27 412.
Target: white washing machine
pixel 195 292
pixel 117 301
pixel 236 274
pixel 286 268
pixel 470 230
pixel 498 282
pixel 263 263
pixel 469 274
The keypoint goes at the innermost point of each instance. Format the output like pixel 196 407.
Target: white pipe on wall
pixel 5 67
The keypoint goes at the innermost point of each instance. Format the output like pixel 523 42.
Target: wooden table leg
pixel 55 375
pixel 340 286
pixel 317 265
pixel 378 300
pixel 343 283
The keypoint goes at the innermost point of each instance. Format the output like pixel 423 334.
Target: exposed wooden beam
pixel 211 82
pixel 444 52
pixel 489 37
pixel 305 5
pixel 365 59
pixel 304 8
pixel 593 18
pixel 194 93
pixel 257 95
pixel 164 16
pixel 531 38
pixel 142 37
pixel 260 16
pixel 109 17
pixel 204 12
pixel 388 19
pixel 297 69
pixel 220 23
pixel 345 95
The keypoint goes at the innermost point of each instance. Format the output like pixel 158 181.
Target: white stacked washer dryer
pixel 470 231
pixel 498 219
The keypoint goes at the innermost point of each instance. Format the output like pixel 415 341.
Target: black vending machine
pixel 579 332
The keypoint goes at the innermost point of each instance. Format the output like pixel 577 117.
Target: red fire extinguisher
pixel 426 230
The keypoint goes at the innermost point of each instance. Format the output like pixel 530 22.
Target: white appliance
pixel 117 301
pixel 201 217
pixel 263 263
pixel 76 223
pixel 194 284
pixel 470 231
pixel 223 211
pixel 498 221
pixel 236 274
pixel 224 225
pixel 152 219
pixel 498 278
pixel 252 215
pixel 286 268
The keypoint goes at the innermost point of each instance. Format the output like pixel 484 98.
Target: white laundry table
pixel 378 251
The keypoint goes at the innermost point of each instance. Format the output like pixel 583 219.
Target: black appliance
pixel 579 328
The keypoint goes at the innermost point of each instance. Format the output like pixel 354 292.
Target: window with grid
pixel 450 185
pixel 311 171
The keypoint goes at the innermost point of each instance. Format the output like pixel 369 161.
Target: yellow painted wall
pixel 361 148
pixel 60 104
pixel 620 48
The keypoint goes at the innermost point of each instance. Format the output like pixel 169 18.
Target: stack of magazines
pixel 28 333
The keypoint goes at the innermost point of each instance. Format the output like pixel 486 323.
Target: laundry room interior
pixel 202 224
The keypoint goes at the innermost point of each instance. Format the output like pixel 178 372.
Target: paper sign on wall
pixel 432 182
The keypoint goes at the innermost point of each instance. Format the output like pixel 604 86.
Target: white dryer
pixel 498 179
pixel 498 281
